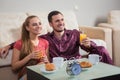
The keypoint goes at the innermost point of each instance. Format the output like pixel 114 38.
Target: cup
pixel 58 62
pixel 94 58
pixel 82 36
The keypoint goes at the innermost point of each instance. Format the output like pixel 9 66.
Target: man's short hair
pixel 52 13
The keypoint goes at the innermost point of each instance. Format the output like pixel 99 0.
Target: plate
pixel 42 69
pixel 86 68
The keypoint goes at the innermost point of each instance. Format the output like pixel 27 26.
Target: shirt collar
pixel 65 33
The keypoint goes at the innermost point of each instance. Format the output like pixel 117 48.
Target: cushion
pixel 114 17
pixel 10 25
pixel 7 60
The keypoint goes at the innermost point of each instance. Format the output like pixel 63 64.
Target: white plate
pixel 86 68
pixel 42 69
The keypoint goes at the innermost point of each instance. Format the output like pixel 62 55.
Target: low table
pixel 100 71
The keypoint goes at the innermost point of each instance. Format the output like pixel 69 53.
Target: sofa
pixel 114 24
pixel 10 28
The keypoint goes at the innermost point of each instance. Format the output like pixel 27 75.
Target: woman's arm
pixel 16 62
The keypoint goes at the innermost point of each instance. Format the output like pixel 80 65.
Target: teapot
pixel 73 67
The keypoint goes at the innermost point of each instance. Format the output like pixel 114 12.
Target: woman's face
pixel 35 26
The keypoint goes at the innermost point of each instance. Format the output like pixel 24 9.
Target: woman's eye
pixel 34 24
pixel 39 23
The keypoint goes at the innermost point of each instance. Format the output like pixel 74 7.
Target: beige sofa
pixel 114 25
pixel 10 25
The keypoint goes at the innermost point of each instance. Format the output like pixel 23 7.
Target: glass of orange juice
pixel 82 36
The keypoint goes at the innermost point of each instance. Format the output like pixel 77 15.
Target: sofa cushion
pixel 6 61
pixel 114 17
pixel 10 25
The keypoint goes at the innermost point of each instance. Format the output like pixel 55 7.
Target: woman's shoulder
pixel 42 40
pixel 18 42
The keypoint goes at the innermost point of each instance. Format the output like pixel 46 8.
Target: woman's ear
pixel 27 28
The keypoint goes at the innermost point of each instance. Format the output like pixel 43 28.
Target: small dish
pixel 42 69
pixel 85 68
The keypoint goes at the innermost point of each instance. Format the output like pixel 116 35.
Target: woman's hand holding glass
pixel 39 56
pixel 35 55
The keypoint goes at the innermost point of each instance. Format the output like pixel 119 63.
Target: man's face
pixel 57 23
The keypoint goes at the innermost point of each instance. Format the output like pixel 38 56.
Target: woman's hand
pixel 39 56
pixel 35 55
pixel 44 59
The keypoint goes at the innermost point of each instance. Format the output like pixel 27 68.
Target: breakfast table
pixel 100 71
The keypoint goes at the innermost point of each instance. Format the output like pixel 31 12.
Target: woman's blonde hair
pixel 27 46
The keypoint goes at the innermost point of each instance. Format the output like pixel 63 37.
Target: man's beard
pixel 58 30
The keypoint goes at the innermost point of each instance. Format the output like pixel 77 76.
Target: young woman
pixel 30 49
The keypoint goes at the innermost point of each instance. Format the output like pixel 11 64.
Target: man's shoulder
pixel 72 31
pixel 45 36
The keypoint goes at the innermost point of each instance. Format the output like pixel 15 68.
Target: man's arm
pixel 4 51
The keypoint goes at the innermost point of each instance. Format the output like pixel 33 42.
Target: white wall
pixel 89 12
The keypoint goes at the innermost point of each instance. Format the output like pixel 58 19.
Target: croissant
pixel 49 67
pixel 85 64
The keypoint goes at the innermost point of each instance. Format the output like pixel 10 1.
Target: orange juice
pixel 41 55
pixel 82 36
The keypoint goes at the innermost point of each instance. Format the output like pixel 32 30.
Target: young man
pixel 66 43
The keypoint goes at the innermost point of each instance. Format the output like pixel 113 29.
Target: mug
pixel 94 58
pixel 58 62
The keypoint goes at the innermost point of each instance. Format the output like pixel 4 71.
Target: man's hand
pixel 4 51
pixel 86 42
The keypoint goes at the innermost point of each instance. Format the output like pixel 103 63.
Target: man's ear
pixel 50 24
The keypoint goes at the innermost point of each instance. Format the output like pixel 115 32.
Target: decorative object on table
pixel 73 67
